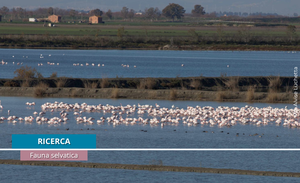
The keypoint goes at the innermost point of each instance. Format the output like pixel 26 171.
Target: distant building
pixel 54 18
pixel 95 19
pixel 32 20
pixel 139 13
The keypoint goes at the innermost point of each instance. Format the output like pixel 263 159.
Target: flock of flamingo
pixel 74 64
pixel 156 115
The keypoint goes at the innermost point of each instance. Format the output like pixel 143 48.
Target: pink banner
pixel 53 155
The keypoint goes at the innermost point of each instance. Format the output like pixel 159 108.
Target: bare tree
pixel 152 13
pixel 50 11
pixel 124 12
pixel 131 14
pixel 20 12
pixel 4 11
pixel 109 14
pixel 157 13
pixel 72 13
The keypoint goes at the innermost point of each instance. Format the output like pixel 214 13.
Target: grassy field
pixel 111 30
pixel 108 36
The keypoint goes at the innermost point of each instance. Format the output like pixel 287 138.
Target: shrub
pixel 148 83
pixel 53 75
pixel 60 83
pixel 26 72
pixel 89 84
pixel 104 83
pixel 196 84
pixel 11 84
pixel 272 96
pixel 275 83
pixel 25 84
pixel 232 83
pixel 40 89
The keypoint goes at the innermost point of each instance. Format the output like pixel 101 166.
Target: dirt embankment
pixel 236 89
pixel 151 168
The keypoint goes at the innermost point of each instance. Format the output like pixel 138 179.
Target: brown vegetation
pixel 115 93
pixel 148 83
pixel 61 82
pixel 173 94
pixel 40 89
pixel 104 83
pixel 26 72
pixel 250 94
pixel 90 84
pixel 275 83
pixel 25 83
pixel 196 84
pixel 232 83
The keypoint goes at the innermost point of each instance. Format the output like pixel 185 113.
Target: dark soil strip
pixel 151 168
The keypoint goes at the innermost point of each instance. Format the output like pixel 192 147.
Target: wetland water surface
pixel 170 136
pixel 113 63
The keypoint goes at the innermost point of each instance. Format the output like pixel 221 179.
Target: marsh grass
pixel 273 96
pixel 250 94
pixel 40 89
pixel 275 83
pixel 173 94
pixel 104 83
pixel 25 83
pixel 222 95
pixel 152 94
pixel 74 93
pixel 196 84
pixel 62 82
pixel 11 84
pixel 53 75
pixel 115 93
pixel 232 83
pixel 148 83
pixel 90 84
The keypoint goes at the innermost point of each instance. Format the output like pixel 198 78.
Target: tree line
pixel 172 11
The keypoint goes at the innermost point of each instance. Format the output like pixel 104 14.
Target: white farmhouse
pixel 32 20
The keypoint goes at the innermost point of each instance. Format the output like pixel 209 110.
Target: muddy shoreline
pixel 216 47
pixel 151 168
pixel 143 94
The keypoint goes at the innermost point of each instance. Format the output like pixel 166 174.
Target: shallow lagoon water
pixel 131 136
pixel 151 63
pixel 122 136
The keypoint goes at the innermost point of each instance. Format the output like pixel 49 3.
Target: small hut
pixel 95 19
pixel 54 18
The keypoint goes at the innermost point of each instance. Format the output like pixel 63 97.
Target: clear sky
pixel 285 7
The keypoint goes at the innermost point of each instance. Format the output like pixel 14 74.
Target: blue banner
pixel 54 141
